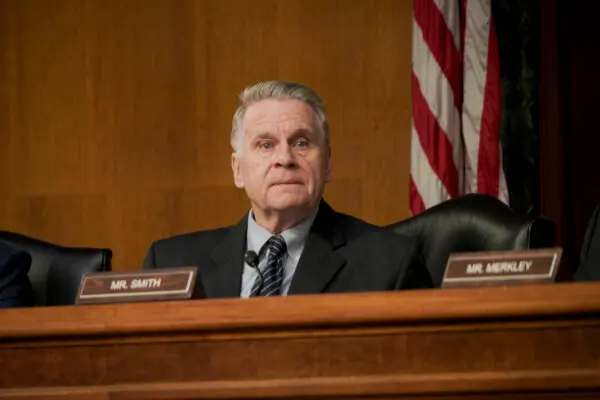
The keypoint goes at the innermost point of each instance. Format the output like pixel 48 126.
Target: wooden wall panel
pixel 115 115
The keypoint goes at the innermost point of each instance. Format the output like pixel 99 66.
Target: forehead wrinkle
pixel 258 120
pixel 273 128
pixel 276 111
pixel 282 120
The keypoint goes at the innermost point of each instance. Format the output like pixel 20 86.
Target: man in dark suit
pixel 589 264
pixel 15 287
pixel 291 241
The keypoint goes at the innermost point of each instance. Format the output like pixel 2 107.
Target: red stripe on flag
pixel 489 163
pixel 463 26
pixel 434 140
pixel 416 201
pixel 440 41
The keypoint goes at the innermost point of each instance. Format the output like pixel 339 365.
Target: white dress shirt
pixel 257 236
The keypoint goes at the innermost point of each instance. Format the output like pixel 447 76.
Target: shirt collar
pixel 294 237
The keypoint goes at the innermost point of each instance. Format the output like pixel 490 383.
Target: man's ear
pixel 237 173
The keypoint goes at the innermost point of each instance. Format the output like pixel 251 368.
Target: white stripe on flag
pixel 437 92
pixel 477 32
pixel 428 184
pixel 450 13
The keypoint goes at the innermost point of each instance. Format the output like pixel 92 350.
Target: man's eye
pixel 302 143
pixel 265 145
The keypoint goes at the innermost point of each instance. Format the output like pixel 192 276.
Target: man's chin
pixel 286 201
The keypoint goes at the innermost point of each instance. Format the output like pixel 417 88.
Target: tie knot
pixel 276 246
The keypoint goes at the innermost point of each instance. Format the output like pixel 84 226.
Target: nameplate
pixel 132 286
pixel 502 267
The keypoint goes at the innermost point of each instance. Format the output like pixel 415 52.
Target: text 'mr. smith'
pixel 146 283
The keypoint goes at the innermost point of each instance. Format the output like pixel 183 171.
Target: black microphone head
pixel 251 258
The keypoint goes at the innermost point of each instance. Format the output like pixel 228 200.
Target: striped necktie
pixel 273 272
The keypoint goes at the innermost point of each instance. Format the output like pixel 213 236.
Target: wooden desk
pixel 518 342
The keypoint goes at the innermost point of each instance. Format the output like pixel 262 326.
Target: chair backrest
pixel 473 222
pixel 56 271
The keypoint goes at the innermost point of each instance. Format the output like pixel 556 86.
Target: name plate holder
pixel 133 286
pixel 501 268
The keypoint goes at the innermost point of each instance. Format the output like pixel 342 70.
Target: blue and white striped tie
pixel 273 273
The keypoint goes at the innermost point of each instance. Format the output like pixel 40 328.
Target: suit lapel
pixel 319 262
pixel 224 279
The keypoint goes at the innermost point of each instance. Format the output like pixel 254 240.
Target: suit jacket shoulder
pixel 341 254
pixel 346 254
pixel 218 254
pixel 355 228
pixel 15 287
pixel 399 251
pixel 186 249
pixel 372 238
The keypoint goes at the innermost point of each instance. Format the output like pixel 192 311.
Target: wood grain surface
pixel 115 114
pixel 533 342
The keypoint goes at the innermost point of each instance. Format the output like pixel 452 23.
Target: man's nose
pixel 285 156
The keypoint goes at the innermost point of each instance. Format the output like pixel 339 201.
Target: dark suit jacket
pixel 341 254
pixel 589 264
pixel 15 287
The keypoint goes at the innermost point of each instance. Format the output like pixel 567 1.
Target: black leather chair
pixel 473 222
pixel 56 271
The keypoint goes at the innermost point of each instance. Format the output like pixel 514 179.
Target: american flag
pixel 456 103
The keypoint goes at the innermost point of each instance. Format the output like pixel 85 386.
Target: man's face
pixel 283 159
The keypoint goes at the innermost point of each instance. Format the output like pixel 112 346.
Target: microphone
pixel 251 258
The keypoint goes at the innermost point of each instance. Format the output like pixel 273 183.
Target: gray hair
pixel 282 91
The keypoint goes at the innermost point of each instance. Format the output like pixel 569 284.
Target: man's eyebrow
pixel 297 133
pixel 263 135
pixel 301 132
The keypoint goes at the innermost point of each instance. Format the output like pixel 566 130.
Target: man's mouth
pixel 289 182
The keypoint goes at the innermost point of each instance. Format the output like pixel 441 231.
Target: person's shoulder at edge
pixel 588 269
pixel 182 243
pixel 15 286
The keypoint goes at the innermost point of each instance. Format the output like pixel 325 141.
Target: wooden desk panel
pixel 538 342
